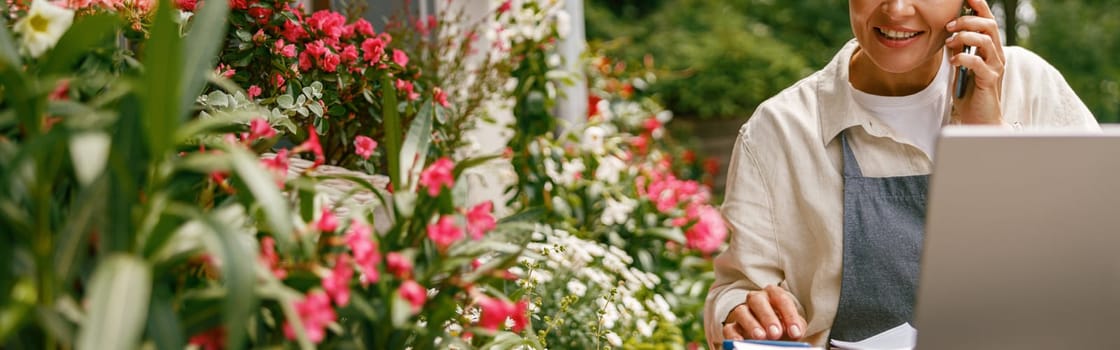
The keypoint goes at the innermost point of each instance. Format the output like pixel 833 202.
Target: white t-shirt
pixel 916 118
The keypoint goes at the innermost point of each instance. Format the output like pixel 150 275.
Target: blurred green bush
pixel 724 57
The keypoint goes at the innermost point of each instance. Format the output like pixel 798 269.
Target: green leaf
pixel 392 131
pixel 316 108
pixel 263 187
pixel 87 33
pixel 285 101
pixel 238 258
pixel 164 327
pixel 89 151
pixel 207 33
pixel 220 121
pixel 163 81
pixel 9 57
pixel 119 293
pixel 89 206
pixel 401 310
pixel 415 148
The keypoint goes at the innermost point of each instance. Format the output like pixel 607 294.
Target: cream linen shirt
pixel 784 198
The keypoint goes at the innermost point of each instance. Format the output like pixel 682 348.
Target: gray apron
pixel 883 225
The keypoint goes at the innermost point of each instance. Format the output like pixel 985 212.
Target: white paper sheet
pixel 897 338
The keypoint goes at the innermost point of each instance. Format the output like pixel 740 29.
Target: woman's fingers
pixel 759 301
pixel 747 325
pixel 783 302
pixel 983 32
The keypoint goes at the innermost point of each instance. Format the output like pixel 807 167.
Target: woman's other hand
pixel 981 102
pixel 768 314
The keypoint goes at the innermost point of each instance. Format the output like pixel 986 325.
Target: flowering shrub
pixel 613 180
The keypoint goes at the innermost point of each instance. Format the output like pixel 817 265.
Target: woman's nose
pixel 898 8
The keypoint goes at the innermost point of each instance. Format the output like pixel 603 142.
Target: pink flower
pixel 373 49
pixel 362 27
pixel 327 22
pixel 270 258
pixel 444 232
pixel 305 63
pixel 226 70
pixel 414 293
pixel 258 127
pixel 327 221
pixel 438 175
pixel 505 6
pixel 213 339
pixel 407 88
pixel 329 62
pixel 254 91
pixel 315 313
pixel 400 58
pixel 494 312
pixel 708 233
pixel 278 166
pixel 364 146
pixel 520 315
pixel 366 253
pixel 278 80
pixel 651 124
pixel 399 265
pixel 312 145
pixel 480 220
pixel 293 31
pixel 441 97
pixel 337 282
pixel 349 54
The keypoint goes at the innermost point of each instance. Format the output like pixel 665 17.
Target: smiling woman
pixel 827 181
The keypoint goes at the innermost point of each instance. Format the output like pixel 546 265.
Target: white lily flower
pixel 44 25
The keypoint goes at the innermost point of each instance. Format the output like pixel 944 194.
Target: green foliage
pixel 1080 39
pixel 727 56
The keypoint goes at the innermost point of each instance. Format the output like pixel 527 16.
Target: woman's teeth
pixel 890 34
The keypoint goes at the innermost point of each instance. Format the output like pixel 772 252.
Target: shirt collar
pixel 837 109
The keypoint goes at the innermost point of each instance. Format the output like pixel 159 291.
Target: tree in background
pixel 1079 38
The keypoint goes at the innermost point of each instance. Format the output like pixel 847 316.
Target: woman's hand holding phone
pixel 981 101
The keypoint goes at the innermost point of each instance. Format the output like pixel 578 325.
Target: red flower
pixel 438 175
pixel 414 293
pixel 238 4
pixel 592 105
pixel 293 31
pixel 337 282
pixel 278 80
pixel 315 313
pixel 329 62
pixel 261 14
pixel 373 49
pixel 480 220
pixel 186 5
pixel 213 339
pixel 651 124
pixel 363 146
pixel 327 221
pixel 441 97
pixel 366 254
pixel 444 232
pixel 400 58
pixel 312 145
pixel 62 91
pixel 399 265
pixel 505 6
pixel 254 91
pixel 258 127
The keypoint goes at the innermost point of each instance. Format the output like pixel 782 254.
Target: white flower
pixel 563 24
pixel 593 138
pixel 617 211
pixel 614 339
pixel 44 25
pixel 572 172
pixel 646 328
pixel 577 288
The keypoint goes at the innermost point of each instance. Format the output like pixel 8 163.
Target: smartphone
pixel 962 72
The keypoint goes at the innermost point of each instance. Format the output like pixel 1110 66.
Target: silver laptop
pixel 1022 243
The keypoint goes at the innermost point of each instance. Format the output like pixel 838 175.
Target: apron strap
pixel 851 166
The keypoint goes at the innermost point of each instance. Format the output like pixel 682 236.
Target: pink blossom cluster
pixel 705 229
pixel 494 313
